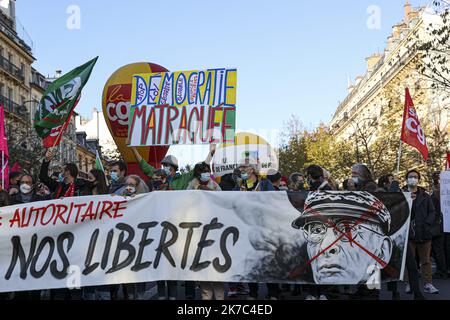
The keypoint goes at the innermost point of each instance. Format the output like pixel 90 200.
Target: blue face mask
pixel 244 176
pixel 166 170
pixel 61 177
pixel 114 176
pixel 205 176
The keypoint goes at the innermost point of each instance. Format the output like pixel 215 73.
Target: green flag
pixel 98 162
pixel 60 99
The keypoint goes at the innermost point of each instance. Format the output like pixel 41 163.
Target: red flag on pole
pixel 54 138
pixel 4 152
pixel 412 132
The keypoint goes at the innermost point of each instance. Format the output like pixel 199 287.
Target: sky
pixel 293 57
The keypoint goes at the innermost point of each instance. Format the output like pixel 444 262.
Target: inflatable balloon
pixel 116 107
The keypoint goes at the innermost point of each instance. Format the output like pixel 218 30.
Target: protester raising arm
pixel 43 174
pixel 170 164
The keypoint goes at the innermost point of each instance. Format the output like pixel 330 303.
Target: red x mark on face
pixel 300 270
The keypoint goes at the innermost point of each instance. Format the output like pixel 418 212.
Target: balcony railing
pixel 14 108
pixel 9 67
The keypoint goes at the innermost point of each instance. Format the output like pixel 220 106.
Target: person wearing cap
pixel 176 180
pixel 248 175
pixel 330 221
pixel 283 184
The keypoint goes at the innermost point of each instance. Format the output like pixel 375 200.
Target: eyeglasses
pixel 349 230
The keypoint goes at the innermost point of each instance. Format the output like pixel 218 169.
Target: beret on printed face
pixel 361 205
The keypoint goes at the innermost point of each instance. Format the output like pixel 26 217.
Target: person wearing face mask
pixel 118 172
pixel 169 164
pixel 27 192
pixel 316 179
pixel 68 184
pixel 423 216
pixel 362 178
pixel 158 181
pixel 248 179
pixel 202 181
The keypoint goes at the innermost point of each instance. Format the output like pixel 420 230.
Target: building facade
pixel 21 89
pixel 96 128
pixel 387 76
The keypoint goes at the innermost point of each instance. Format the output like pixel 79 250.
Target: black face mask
pixel 314 185
pixel 156 184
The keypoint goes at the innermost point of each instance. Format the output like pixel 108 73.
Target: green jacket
pixel 179 182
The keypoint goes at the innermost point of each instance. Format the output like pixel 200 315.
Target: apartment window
pixel 86 165
pixel 2 87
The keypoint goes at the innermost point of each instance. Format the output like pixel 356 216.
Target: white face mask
pixel 413 182
pixel 355 180
pixel 24 188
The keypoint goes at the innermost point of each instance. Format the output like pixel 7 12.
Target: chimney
pixel 12 11
pixel 407 12
pixel 372 61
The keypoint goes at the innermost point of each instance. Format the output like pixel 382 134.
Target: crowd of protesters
pixel 427 239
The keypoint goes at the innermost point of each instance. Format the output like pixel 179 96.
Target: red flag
pixel 412 132
pixel 4 152
pixel 16 167
pixel 447 165
pixel 54 138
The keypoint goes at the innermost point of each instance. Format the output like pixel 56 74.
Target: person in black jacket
pixel 27 191
pixel 423 216
pixel 438 242
pixel 68 185
pixel 27 194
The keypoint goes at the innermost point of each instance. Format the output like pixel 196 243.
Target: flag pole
pixel 3 170
pixel 399 157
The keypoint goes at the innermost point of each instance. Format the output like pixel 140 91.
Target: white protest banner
pixel 203 236
pixel 445 199
pixel 183 107
pixel 247 148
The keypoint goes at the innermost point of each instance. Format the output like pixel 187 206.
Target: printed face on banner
pixel 348 236
pixel 186 107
